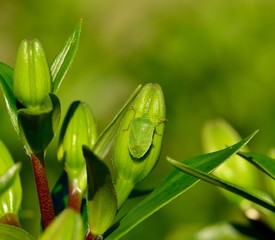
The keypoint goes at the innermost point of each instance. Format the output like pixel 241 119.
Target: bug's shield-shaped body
pixel 141 132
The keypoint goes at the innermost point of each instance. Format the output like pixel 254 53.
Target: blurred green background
pixel 213 58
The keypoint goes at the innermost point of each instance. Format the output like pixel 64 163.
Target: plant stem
pixel 43 192
pixel 75 196
pixel 123 190
pixel 89 236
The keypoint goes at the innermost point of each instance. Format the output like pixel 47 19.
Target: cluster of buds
pixel 137 142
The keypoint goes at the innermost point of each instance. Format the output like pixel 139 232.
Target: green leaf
pixel 7 179
pixel 101 196
pixel 68 225
pixel 223 184
pixel 217 134
pixel 6 81
pixel 261 161
pixel 65 57
pixel 38 128
pixel 174 185
pixel 11 199
pixel 106 138
pixel 8 232
pixel 140 192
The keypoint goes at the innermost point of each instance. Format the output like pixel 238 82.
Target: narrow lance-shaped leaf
pixel 224 184
pixel 7 179
pixel 261 161
pixel 174 185
pixel 65 57
pixel 6 81
pixel 216 134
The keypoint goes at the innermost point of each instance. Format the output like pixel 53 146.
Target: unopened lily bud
pixel 32 80
pixel 139 140
pixel 78 129
pixel 10 200
pixel 218 134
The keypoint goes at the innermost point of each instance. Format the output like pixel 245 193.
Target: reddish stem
pixel 75 196
pixel 44 195
pixel 89 236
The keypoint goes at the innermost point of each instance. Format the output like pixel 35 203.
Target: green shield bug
pixel 140 138
pixel 141 132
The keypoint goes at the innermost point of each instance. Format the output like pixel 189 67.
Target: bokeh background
pixel 213 58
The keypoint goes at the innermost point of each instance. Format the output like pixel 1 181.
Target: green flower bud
pixel 10 200
pixel 67 225
pixel 78 129
pixel 139 140
pixel 217 134
pixel 32 80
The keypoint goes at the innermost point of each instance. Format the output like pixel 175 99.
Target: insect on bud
pixel 139 141
pixel 32 79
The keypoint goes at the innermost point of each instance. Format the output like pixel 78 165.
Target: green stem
pixel 43 192
pixel 123 190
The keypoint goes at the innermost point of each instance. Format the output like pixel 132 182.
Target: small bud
pixel 139 140
pixel 32 80
pixel 10 200
pixel 78 129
